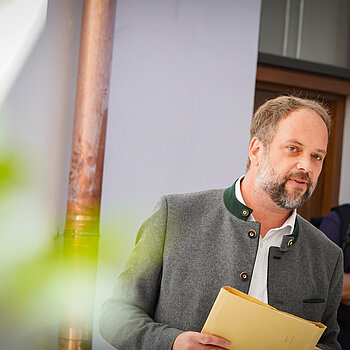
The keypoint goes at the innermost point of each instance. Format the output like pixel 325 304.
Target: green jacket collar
pixel 234 206
pixel 242 212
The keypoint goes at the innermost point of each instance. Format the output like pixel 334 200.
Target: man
pixel 247 236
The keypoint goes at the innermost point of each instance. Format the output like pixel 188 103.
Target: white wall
pixel 344 190
pixel 181 98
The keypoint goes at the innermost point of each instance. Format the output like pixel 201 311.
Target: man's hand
pixel 199 341
pixel 316 348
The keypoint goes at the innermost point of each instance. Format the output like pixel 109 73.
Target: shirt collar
pixel 290 221
pixel 238 190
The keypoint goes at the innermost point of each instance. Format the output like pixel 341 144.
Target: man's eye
pixel 292 148
pixel 317 157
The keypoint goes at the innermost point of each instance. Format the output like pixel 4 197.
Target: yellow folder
pixel 250 324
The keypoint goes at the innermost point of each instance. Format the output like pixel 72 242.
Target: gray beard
pixel 275 186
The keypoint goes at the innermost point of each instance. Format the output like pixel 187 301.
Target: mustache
pixel 300 176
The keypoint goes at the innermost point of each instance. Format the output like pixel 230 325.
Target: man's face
pixel 289 169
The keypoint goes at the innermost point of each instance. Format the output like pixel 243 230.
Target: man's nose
pixel 304 164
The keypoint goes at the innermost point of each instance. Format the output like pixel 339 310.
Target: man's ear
pixel 255 149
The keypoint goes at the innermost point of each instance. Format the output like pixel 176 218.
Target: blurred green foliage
pixel 11 171
pixel 35 287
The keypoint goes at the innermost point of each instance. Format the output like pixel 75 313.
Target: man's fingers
pixel 199 341
pixel 209 339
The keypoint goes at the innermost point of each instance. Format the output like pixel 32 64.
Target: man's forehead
pixel 299 118
pixel 305 127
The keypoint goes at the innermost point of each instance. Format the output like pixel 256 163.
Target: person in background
pixel 336 225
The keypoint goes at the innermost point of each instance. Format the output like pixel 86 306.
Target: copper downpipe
pixel 81 235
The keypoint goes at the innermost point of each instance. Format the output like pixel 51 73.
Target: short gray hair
pixel 268 115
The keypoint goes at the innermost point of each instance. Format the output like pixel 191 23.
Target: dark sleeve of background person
pixel 330 225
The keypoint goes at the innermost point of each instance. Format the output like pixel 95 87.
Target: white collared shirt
pixel 273 238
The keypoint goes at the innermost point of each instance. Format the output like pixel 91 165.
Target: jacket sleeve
pixel 328 340
pixel 330 226
pixel 126 319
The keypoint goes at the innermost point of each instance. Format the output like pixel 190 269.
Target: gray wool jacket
pixel 195 243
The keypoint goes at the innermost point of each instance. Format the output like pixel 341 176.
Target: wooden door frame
pixel 286 81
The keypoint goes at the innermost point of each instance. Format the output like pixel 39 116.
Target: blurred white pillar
pixel 21 22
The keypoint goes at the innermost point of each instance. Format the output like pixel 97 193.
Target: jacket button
pixel 252 234
pixel 244 276
pixel 245 212
pixel 290 242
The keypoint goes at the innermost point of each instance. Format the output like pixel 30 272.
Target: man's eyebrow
pixel 319 150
